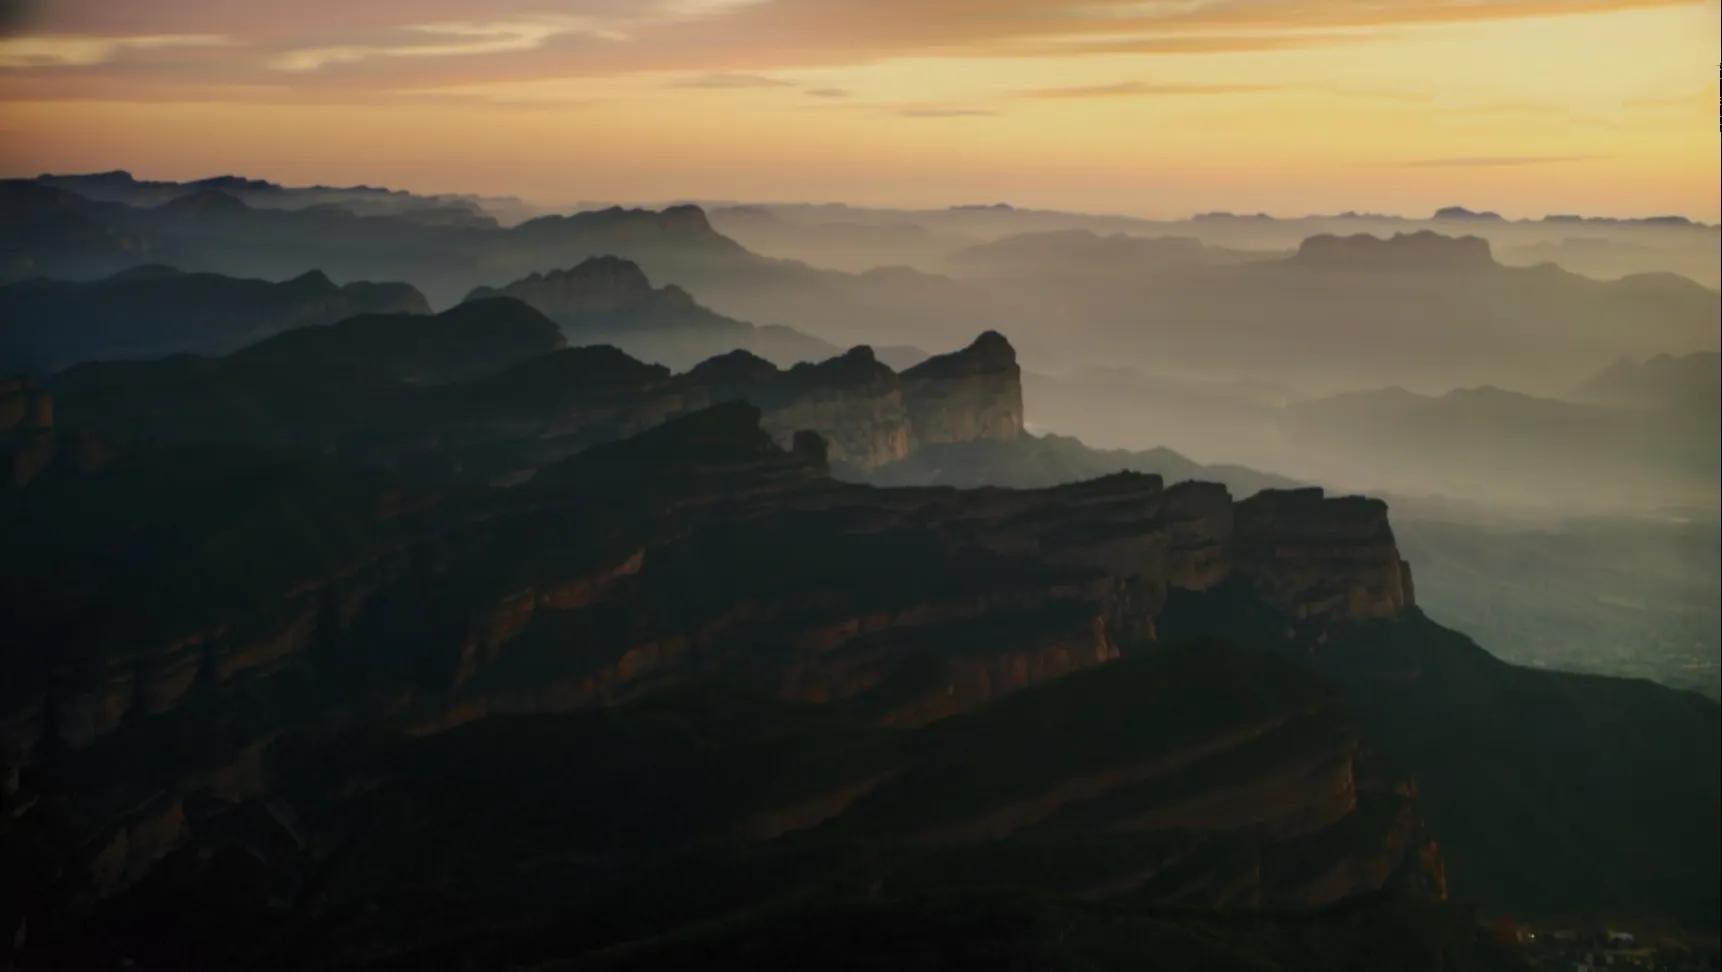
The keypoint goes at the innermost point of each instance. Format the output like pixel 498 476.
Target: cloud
pixel 696 9
pixel 74 50
pixel 1172 43
pixel 1482 161
pixel 517 41
pixel 1131 89
pixel 828 92
pixel 732 80
pixel 460 39
pixel 935 112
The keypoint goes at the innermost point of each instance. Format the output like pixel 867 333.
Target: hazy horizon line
pixel 565 206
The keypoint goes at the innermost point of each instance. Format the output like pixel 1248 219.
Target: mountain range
pixel 608 300
pixel 1476 323
pixel 581 624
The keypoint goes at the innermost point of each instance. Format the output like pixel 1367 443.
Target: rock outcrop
pixel 966 396
pixel 1314 557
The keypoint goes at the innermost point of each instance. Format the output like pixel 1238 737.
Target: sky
pixel 1147 107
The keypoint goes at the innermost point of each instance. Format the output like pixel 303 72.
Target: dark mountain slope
pixel 474 393
pixel 1574 797
pixel 151 312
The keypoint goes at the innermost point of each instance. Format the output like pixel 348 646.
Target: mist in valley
pixel 1524 392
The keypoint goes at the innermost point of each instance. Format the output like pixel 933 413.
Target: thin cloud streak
pixel 453 40
pixel 732 80
pixel 1484 161
pixel 944 112
pixel 1135 89
pixel 55 51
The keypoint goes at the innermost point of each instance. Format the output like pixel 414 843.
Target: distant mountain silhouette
pixel 1513 445
pixel 1490 328
pixel 1423 250
pixel 122 187
pixel 608 300
pixel 1461 213
pixel 469 341
pixel 152 311
pixel 1085 253
pixel 1683 382
pixel 1032 462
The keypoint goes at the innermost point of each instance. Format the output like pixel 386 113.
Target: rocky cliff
pixel 1315 557
pixel 1085 569
pixel 640 569
pixel 967 396
pixel 478 391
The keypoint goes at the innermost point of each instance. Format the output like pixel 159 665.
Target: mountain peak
pixel 313 280
pixel 607 274
pixel 1422 250
pixel 600 284
pixel 988 353
pixel 205 202
pixel 1460 212
pixel 686 216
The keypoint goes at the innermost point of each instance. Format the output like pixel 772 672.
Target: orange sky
pixel 1153 107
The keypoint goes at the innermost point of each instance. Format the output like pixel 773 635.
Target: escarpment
pixel 486 391
pixel 1311 556
pixel 589 592
pixel 835 591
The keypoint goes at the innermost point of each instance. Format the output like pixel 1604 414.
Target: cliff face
pixel 966 396
pixel 853 401
pixel 1314 558
pixel 1083 569
pixel 716 553
pixel 478 391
